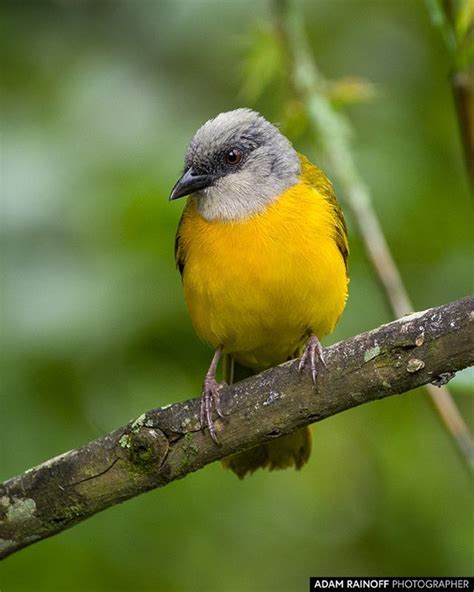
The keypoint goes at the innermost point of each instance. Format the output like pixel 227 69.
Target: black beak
pixel 189 183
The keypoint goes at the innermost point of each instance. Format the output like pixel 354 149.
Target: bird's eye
pixel 233 156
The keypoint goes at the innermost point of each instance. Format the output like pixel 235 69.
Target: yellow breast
pixel 258 286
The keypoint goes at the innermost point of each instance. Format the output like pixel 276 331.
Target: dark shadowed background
pixel 99 100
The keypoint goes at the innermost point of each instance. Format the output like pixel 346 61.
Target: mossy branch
pixel 166 444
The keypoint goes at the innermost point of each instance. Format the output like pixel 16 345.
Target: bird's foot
pixel 210 398
pixel 312 351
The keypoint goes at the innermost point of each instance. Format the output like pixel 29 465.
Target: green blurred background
pixel 99 100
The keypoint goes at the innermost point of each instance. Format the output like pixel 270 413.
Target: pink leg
pixel 312 351
pixel 210 396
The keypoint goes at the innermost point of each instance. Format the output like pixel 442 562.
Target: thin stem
pixel 456 23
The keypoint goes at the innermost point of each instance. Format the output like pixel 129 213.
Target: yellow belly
pixel 257 287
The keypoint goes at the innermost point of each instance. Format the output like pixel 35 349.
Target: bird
pixel 262 250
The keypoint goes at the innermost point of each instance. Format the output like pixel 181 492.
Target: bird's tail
pixel 290 450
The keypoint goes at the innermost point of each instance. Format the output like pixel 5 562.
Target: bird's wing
pixel 178 250
pixel 314 176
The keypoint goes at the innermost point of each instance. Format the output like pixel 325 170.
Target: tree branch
pixel 333 130
pixel 166 444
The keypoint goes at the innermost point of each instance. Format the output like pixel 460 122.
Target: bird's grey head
pixel 236 164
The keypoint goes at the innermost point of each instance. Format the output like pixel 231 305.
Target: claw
pixel 210 399
pixel 312 351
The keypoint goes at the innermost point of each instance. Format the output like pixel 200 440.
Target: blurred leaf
pixel 440 20
pixel 350 90
pixel 295 120
pixel 264 64
pixel 465 19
